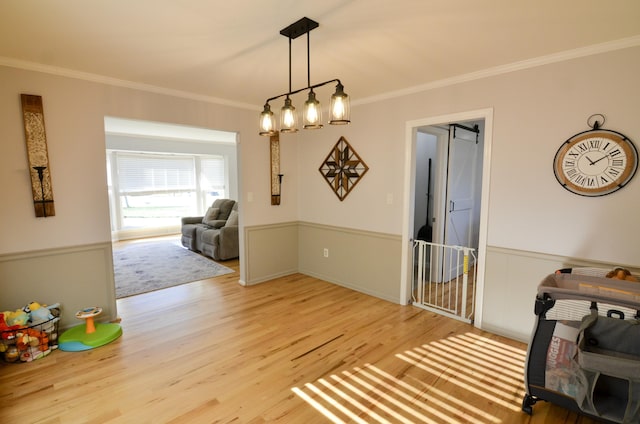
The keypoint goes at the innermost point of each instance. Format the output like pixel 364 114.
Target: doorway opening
pixel 158 174
pixel 447 185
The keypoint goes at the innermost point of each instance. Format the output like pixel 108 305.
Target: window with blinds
pixel 141 175
pixel 157 190
pixel 212 178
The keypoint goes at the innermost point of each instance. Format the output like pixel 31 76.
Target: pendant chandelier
pixel 339 108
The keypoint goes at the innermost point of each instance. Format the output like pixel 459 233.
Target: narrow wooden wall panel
pixel 276 177
pixel 38 155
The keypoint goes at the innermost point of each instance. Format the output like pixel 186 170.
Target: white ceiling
pixel 232 51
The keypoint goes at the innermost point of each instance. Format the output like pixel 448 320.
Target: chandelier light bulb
pixel 339 107
pixel 267 124
pixel 288 117
pixel 312 112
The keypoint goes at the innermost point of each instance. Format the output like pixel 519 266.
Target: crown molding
pixel 485 73
pixel 86 76
pixel 512 67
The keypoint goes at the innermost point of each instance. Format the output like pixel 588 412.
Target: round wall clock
pixel 596 162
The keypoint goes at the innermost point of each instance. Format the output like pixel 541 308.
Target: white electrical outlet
pixel 325 252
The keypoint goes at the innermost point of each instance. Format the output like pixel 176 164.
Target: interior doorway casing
pixel 408 230
pixel 438 138
pixel 164 137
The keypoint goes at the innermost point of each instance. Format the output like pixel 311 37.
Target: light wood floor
pixel 293 350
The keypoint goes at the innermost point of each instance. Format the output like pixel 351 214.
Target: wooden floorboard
pixel 292 350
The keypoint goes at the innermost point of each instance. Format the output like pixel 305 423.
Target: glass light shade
pixel 339 109
pixel 267 122
pixel 288 117
pixel 312 113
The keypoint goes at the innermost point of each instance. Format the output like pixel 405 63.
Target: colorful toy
pixel 90 334
pixel 6 329
pixel 28 333
pixel 41 316
pixel 621 274
pixel 16 318
pixel 30 337
pixel 32 353
pixel 40 313
pixel 12 354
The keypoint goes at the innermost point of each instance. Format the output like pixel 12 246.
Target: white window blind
pixel 154 190
pixel 148 174
pixel 212 169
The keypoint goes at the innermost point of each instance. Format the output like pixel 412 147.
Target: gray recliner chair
pixel 215 234
pixel 222 244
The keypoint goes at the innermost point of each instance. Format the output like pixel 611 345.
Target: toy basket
pixel 30 342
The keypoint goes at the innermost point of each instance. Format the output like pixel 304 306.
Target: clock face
pixel 595 162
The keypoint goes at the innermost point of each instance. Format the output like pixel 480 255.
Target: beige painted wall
pixel 74 112
pixel 535 110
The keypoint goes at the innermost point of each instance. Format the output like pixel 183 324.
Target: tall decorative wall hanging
pixel 276 176
pixel 38 155
pixel 343 168
pixel 596 162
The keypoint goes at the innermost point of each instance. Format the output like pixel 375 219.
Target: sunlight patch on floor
pixel 472 370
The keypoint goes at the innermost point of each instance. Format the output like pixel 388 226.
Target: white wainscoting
pixel 368 262
pixel 364 261
pixel 510 286
pixel 77 277
pixel 271 251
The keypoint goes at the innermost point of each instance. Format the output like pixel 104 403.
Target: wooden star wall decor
pixel 343 168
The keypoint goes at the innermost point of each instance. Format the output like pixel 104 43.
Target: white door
pixel 460 201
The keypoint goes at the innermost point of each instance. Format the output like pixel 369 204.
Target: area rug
pixel 141 267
